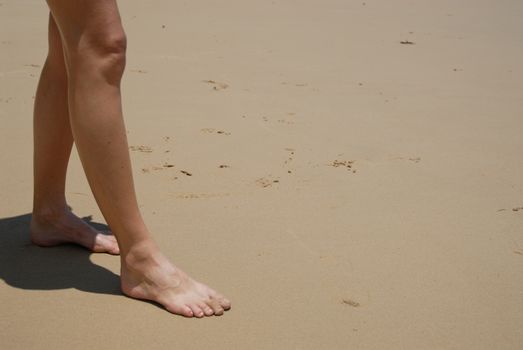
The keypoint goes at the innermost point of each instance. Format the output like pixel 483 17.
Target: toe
pixel 115 250
pixel 224 302
pixel 180 310
pixel 105 245
pixel 207 310
pixel 217 308
pixel 196 310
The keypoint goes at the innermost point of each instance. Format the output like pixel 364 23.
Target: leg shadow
pixel 26 266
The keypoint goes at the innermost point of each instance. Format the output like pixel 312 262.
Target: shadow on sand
pixel 26 266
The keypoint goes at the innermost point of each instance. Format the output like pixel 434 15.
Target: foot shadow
pixel 27 266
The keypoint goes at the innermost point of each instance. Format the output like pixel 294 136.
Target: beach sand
pixel 348 173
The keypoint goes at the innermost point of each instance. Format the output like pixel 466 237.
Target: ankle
pixel 49 213
pixel 138 252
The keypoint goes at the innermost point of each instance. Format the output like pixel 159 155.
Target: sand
pixel 344 189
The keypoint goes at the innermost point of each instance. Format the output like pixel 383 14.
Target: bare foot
pixel 65 227
pixel 148 274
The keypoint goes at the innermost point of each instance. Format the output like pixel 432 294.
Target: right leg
pixel 94 45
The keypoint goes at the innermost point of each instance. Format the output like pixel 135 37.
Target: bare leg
pixel 94 44
pixel 52 222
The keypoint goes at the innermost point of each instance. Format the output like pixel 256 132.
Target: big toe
pixel 114 250
pixel 183 310
pixel 106 244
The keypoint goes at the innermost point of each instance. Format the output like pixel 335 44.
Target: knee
pixel 102 54
pixel 112 45
pixel 112 54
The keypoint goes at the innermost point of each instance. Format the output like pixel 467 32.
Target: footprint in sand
pixel 141 148
pixel 290 157
pixel 350 302
pixel 200 195
pixel 280 121
pixel 410 159
pixel 285 121
pixel 347 164
pixel 513 209
pixel 266 181
pixel 214 131
pixel 295 84
pixel 216 85
pixel 157 168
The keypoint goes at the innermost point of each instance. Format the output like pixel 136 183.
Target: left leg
pixel 95 51
pixel 52 222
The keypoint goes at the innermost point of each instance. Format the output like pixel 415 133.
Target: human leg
pixel 94 45
pixel 52 222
